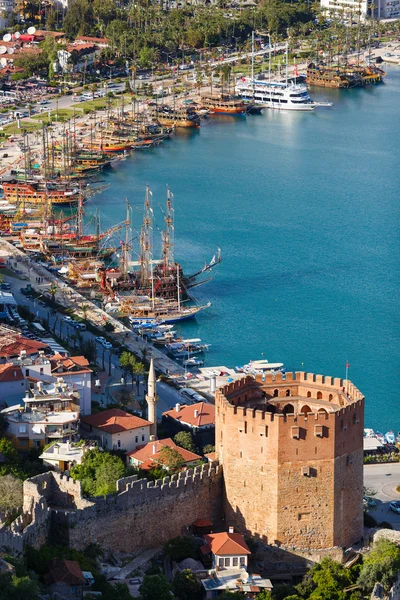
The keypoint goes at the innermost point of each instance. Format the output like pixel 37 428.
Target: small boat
pixel 369 433
pixel 193 362
pixel 380 437
pixel 390 437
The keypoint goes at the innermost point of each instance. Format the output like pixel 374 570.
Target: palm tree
pixel 85 309
pixel 53 289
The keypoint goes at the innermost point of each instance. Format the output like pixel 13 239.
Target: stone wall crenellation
pixel 142 514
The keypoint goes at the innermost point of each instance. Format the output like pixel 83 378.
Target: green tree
pixel 326 581
pixel 79 19
pixel 381 564
pixel 99 472
pixel 265 595
pixel 181 547
pixel 155 587
pixel 51 19
pixel 18 588
pixel 170 459
pixel 186 587
pixel 208 449
pixel 10 497
pixel 86 307
pixel 184 439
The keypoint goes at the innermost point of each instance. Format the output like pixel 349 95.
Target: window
pixel 142 438
pixel 36 443
pixel 220 562
pixel 41 369
pixel 23 442
pixel 136 439
pixel 27 373
pixel 21 428
pixel 119 443
pixel 235 561
pixel 242 561
pixel 227 562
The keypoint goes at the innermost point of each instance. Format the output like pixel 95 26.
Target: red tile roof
pixel 114 420
pixel 226 544
pixel 148 454
pixel 9 373
pixel 205 414
pixel 94 40
pixel 69 363
pixel 15 347
pixel 65 571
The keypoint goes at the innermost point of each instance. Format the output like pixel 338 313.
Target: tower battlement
pixel 292 448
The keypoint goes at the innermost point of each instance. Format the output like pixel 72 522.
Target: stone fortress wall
pixel 141 515
pixel 292 452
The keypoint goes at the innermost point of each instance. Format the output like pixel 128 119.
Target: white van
pixel 81 326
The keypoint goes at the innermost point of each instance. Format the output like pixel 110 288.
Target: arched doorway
pixel 306 409
pixel 288 409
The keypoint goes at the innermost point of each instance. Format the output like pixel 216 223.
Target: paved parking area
pixel 383 479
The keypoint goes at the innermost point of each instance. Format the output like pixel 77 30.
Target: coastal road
pixel 383 479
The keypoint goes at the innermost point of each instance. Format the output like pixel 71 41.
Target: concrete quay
pixel 41 280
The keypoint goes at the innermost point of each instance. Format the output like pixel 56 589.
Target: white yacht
pixel 278 95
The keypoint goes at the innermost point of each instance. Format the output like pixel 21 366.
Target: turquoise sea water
pixel 305 209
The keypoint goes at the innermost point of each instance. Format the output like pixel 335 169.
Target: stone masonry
pixel 141 515
pixel 292 453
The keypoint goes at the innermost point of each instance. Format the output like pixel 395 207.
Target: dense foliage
pixel 99 473
pixel 181 547
pixel 186 587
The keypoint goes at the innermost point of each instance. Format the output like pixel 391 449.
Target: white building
pixel 116 429
pixel 63 455
pixel 347 10
pixel 50 412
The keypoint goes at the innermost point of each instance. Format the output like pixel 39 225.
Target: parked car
pixel 395 506
pixel 107 345
pixel 369 502
pixel 100 339
pixel 5 286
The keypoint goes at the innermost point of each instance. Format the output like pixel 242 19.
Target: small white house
pixel 228 550
pixel 116 429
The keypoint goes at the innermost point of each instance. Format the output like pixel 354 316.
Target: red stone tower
pixel 292 454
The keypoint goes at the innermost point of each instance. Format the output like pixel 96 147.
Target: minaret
pixel 151 399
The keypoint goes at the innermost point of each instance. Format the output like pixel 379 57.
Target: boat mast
pixel 79 216
pixel 287 59
pixel 125 245
pixel 145 239
pixel 179 288
pixel 252 60
pixel 167 236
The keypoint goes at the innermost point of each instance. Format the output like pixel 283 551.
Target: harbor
pixel 149 283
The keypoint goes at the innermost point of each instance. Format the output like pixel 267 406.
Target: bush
pixel 181 547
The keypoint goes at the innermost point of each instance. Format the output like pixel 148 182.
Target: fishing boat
pixel 223 104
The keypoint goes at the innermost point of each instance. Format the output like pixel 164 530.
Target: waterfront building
pixel 116 429
pixel 291 447
pixel 347 10
pixel 49 413
pixel 65 579
pixel 350 11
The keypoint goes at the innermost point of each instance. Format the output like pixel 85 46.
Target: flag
pixel 347 365
pixel 296 73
